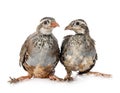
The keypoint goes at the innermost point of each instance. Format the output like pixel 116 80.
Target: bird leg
pixel 68 76
pixel 53 77
pixel 15 80
pixel 99 74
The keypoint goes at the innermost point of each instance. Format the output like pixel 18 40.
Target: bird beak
pixel 68 28
pixel 54 24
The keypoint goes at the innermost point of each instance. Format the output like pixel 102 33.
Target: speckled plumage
pixel 78 51
pixel 40 53
pixel 41 50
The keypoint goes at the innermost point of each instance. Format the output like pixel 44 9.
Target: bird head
pixel 46 25
pixel 79 26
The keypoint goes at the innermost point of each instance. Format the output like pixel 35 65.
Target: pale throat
pixel 45 31
pixel 81 31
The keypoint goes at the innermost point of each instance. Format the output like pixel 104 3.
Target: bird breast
pixel 43 41
pixel 79 52
pixel 77 42
pixel 42 51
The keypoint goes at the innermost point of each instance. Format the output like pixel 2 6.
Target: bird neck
pixel 45 31
pixel 82 32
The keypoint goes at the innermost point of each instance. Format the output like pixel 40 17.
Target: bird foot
pixel 13 80
pixel 53 77
pixel 68 78
pixel 100 74
pixel 16 80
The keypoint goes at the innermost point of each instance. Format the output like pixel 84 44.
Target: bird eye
pixel 46 22
pixel 77 23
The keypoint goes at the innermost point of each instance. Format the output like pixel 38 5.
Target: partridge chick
pixel 78 51
pixel 39 54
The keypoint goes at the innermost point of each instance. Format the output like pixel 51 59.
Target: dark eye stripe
pixel 72 24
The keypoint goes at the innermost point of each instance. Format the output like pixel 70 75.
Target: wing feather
pixel 64 47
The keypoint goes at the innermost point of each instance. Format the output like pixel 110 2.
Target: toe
pixel 53 77
pixel 68 79
pixel 13 80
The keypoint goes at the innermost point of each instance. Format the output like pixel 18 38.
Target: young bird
pixel 78 51
pixel 40 53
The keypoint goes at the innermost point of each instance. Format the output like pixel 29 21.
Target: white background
pixel 19 18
